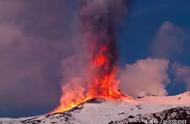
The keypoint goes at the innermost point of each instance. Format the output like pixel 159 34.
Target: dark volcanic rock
pixel 179 115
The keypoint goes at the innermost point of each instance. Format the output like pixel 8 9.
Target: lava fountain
pixel 98 21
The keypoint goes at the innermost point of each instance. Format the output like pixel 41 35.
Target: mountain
pixel 143 110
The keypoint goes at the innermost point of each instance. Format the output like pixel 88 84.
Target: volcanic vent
pixel 98 22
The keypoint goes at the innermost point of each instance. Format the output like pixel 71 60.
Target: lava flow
pixel 98 21
pixel 102 84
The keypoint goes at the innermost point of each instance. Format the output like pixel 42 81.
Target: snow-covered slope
pixel 98 111
pixel 181 99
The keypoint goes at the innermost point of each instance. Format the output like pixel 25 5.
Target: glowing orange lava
pixel 102 84
pixel 100 59
pixel 97 24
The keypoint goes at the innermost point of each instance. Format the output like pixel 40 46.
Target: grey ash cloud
pixel 35 36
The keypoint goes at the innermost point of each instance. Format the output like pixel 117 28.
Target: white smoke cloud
pixel 182 73
pixel 145 77
pixel 168 41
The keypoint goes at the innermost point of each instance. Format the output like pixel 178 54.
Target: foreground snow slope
pixel 98 111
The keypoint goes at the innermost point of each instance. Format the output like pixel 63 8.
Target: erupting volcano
pixel 98 22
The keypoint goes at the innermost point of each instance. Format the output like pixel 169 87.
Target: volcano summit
pixel 145 110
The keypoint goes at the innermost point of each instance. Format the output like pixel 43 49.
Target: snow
pixel 109 110
pixel 181 99
pixel 106 111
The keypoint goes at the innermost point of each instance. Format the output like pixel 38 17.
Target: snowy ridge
pixel 98 111
pixel 181 99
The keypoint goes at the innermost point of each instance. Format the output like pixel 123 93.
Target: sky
pixel 38 39
pixel 158 29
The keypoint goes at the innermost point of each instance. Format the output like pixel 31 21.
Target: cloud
pixel 10 34
pixel 182 73
pixel 40 49
pixel 168 41
pixel 35 37
pixel 145 77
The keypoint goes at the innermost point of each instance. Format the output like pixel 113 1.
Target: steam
pixel 182 73
pixel 169 41
pixel 145 77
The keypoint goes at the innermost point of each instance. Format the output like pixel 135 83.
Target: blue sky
pixel 145 17
pixel 138 29
pixel 36 37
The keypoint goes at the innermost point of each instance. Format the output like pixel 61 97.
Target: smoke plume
pixel 169 41
pixel 182 73
pixel 35 36
pixel 97 66
pixel 98 21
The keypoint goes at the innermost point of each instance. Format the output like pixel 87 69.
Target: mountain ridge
pixel 146 109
